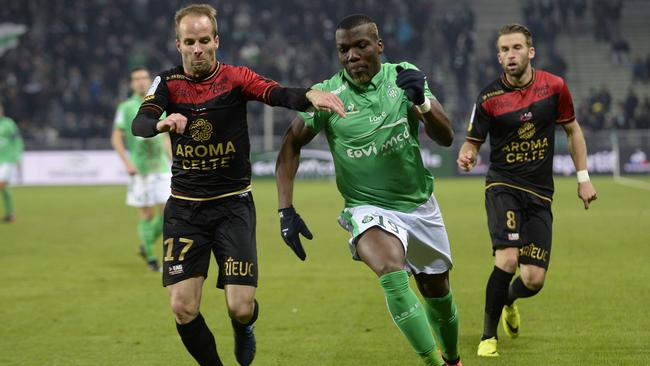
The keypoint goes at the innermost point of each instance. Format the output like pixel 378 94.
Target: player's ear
pixel 380 46
pixel 531 53
pixel 216 41
pixel 178 45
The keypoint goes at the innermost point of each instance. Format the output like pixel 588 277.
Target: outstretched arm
pixel 291 225
pixel 578 150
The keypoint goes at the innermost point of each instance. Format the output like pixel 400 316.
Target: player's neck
pixel 521 80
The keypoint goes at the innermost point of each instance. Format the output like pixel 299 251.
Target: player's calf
pixel 245 343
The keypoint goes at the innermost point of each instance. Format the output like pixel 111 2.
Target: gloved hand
pixel 412 81
pixel 291 225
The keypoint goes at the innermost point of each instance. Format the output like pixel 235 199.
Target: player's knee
pixel 241 311
pixel 433 285
pixel 388 267
pixel 147 213
pixel 509 264
pixel 534 281
pixel 184 309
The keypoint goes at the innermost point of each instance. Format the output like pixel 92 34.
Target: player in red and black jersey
pixel 519 112
pixel 211 208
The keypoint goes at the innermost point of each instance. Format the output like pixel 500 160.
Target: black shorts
pixel 225 227
pixel 520 219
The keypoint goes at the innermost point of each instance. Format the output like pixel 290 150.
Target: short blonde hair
pixel 197 9
pixel 515 28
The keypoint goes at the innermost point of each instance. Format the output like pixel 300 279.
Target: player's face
pixel 359 52
pixel 197 45
pixel 514 56
pixel 140 82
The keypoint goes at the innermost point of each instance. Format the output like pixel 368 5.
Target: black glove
pixel 412 81
pixel 291 225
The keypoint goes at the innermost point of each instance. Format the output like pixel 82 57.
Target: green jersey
pixel 147 155
pixel 11 144
pixel 375 148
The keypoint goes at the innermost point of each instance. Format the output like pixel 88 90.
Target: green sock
pixel 7 201
pixel 146 234
pixel 157 225
pixel 443 317
pixel 409 316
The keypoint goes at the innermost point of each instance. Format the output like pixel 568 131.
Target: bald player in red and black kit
pixel 519 112
pixel 211 208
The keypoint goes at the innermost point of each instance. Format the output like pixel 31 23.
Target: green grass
pixel 74 292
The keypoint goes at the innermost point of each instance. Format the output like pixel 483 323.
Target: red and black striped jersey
pixel 520 122
pixel 211 157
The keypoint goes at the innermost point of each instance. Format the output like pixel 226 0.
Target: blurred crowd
pixel 70 69
pixel 69 72
pixel 600 111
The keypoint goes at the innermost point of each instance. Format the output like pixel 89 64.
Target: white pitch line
pixel 632 183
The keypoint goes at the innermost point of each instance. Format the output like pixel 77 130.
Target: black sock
pixel 496 295
pixel 256 313
pixel 199 341
pixel 518 290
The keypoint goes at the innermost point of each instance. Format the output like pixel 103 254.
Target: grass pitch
pixel 74 291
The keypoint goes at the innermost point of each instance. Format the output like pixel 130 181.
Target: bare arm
pixel 578 150
pixel 117 140
pixel 297 136
pixel 436 123
pixel 467 155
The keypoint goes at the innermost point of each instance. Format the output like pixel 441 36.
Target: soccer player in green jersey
pixel 390 211
pixel 11 151
pixel 148 163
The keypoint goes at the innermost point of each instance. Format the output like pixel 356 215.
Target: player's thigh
pixel 188 236
pixel 537 234
pixel 185 296
pixel 235 245
pixel 380 250
pixel 428 250
pixel 377 237
pixel 505 214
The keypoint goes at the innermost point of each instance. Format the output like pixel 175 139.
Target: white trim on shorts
pixel 422 233
pixel 148 190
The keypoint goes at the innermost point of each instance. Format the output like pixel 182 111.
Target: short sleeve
pixel 118 121
pixel 157 98
pixel 479 124
pixel 254 86
pixel 565 110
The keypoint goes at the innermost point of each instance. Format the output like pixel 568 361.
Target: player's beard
pixel 519 70
pixel 202 68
